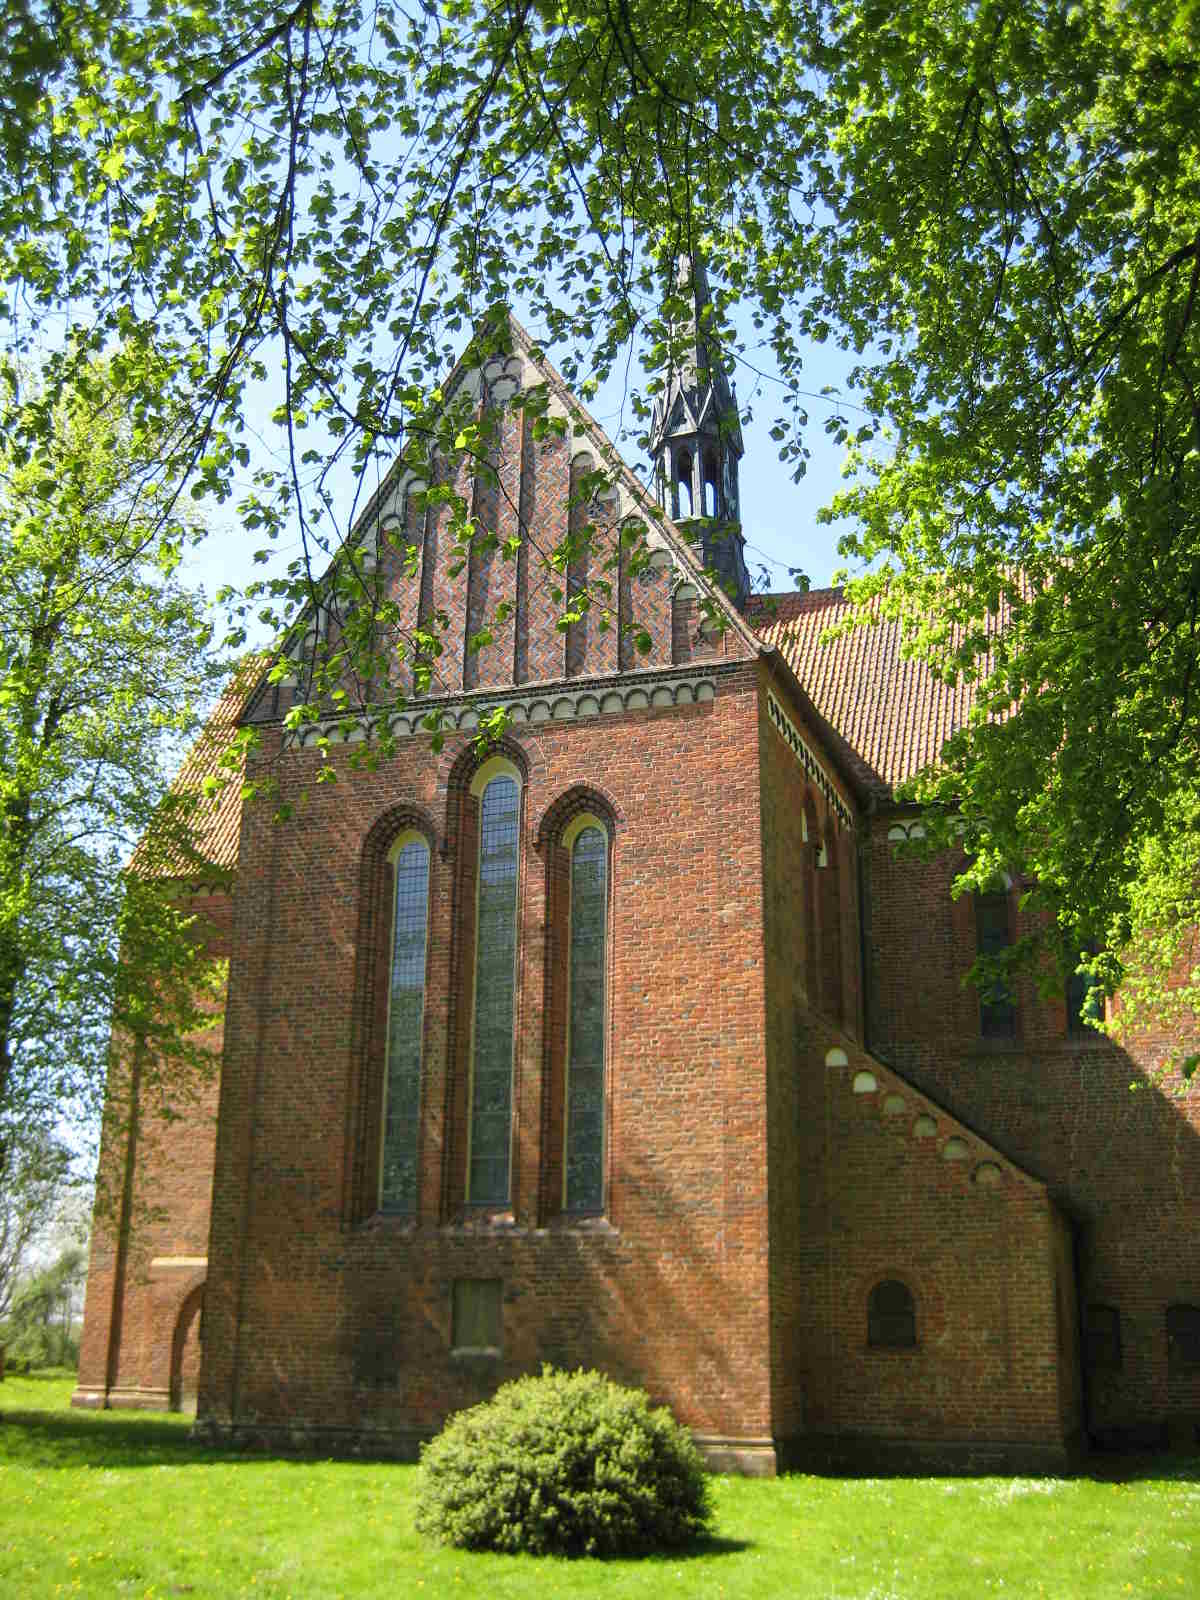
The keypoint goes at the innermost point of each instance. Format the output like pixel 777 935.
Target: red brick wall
pixel 978 1256
pixel 315 1319
pixel 752 1197
pixel 856 1197
pixel 793 965
pixel 1118 1147
pixel 135 1298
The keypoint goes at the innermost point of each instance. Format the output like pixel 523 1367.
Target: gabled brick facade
pixel 833 1222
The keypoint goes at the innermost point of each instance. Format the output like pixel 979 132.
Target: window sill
pixel 486 1219
pixel 580 1222
pixel 486 1226
pixel 388 1222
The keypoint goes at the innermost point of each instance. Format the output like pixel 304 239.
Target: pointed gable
pixel 506 613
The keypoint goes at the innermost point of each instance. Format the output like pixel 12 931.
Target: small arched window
pixel 891 1316
pixel 409 858
pixel 490 1135
pixel 1183 1339
pixel 587 842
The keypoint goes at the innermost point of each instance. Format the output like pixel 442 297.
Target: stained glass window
pixel 406 1010
pixel 585 1064
pixel 495 982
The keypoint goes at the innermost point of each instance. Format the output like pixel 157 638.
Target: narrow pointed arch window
pixel 711 484
pixel 587 842
pixel 683 485
pixel 490 1140
pixel 409 859
pixel 993 935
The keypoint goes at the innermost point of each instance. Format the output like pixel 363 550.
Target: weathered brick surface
pixel 548 494
pixel 396 558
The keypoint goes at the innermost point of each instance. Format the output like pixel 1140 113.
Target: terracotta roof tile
pixel 893 712
pixel 215 823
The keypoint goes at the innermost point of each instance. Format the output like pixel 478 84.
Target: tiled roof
pixel 892 712
pixel 215 823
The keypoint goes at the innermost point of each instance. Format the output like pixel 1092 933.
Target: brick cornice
pixel 557 701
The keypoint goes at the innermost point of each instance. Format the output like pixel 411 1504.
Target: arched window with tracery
pixel 409 860
pixel 498 788
pixel 586 839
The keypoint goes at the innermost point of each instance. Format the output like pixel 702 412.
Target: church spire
pixel 695 437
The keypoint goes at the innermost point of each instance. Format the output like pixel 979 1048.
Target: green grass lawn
pixel 111 1503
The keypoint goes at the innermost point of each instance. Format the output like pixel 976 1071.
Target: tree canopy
pixel 102 664
pixel 39 1330
pixel 995 208
pixel 34 1174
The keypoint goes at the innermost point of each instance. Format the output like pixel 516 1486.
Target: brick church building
pixel 632 1042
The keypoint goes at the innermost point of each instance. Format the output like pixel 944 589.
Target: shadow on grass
pixel 1100 1466
pixel 1111 1466
pixel 104 1439
pixel 706 1546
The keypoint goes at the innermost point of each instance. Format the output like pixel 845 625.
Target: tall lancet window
pixel 495 988
pixel 406 1015
pixel 584 1183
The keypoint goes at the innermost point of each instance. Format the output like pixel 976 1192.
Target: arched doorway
pixel 185 1351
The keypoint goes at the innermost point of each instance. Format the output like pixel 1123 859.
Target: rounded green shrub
pixel 566 1464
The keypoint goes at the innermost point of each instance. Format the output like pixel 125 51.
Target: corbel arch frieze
pixel 527 708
